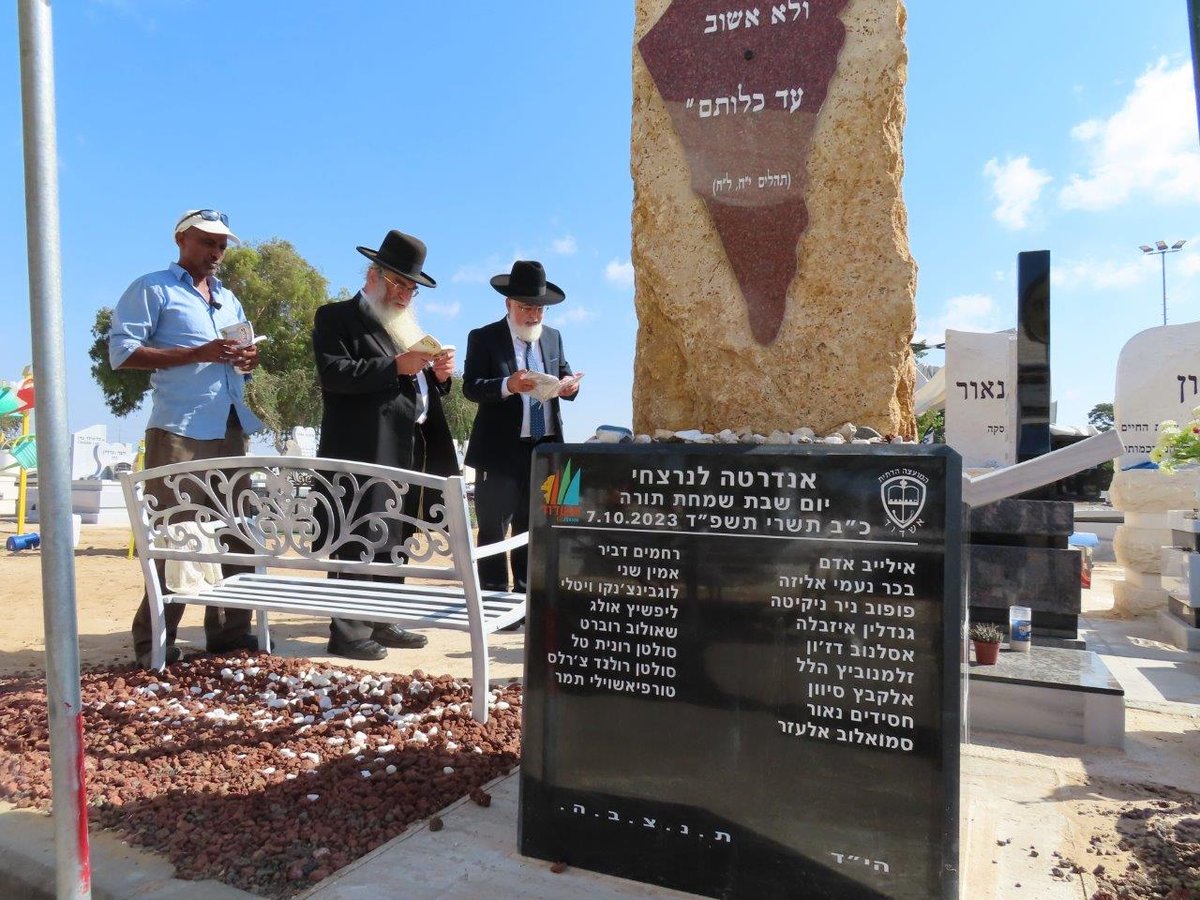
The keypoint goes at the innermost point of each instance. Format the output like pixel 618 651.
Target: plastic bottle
pixel 1020 628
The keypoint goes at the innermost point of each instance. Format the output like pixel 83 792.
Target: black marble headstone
pixel 742 668
pixel 1033 356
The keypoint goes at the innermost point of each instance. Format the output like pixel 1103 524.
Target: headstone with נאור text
pixel 981 398
pixel 774 285
pixel 742 672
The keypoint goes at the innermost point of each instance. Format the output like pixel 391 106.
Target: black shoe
pixel 364 649
pixel 174 654
pixel 395 636
pixel 515 626
pixel 233 645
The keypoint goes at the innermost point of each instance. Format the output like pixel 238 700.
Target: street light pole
pixel 1160 249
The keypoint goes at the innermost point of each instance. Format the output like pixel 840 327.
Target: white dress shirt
pixel 534 363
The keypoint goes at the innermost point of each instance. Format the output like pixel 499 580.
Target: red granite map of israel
pixel 744 86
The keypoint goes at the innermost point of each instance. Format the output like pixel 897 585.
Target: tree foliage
pixel 460 412
pixel 934 419
pixel 1101 416
pixel 123 389
pixel 280 292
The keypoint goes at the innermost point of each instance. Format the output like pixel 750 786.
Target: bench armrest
pixel 512 543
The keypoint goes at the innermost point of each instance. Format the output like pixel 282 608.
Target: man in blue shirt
pixel 171 322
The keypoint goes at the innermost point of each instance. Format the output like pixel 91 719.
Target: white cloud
pixel 570 315
pixel 565 246
pixel 445 310
pixel 1147 147
pixel 480 273
pixel 1016 187
pixel 1090 274
pixel 966 312
pixel 1189 264
pixel 619 272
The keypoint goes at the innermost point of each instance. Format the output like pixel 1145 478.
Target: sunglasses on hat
pixel 208 215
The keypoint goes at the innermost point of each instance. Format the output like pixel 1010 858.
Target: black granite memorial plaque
pixel 742 668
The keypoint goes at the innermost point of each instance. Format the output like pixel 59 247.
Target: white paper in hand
pixel 547 387
pixel 242 332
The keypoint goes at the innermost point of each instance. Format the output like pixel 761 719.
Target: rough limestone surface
pixel 1140 549
pixel 1154 491
pixel 1130 600
pixel 842 351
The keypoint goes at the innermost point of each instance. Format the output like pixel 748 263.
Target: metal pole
pixel 1163 257
pixel 72 862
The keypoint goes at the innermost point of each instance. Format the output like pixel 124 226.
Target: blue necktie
pixel 537 416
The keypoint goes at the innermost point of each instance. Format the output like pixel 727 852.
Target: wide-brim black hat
pixel 527 283
pixel 403 254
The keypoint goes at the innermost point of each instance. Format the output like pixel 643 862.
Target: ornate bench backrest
pixel 302 513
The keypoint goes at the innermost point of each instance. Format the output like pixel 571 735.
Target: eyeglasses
pixel 527 308
pixel 208 215
pixel 405 285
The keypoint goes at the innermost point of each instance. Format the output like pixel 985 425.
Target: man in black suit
pixel 382 401
pixel 509 422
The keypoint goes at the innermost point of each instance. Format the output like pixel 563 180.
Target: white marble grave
pixel 1158 378
pixel 93 456
pixel 981 397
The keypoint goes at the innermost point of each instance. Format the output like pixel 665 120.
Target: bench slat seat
pixel 374 601
pixel 287 514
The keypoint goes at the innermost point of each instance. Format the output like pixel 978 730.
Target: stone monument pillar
pixel 775 288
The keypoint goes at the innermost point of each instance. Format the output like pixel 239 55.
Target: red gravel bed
pixel 268 774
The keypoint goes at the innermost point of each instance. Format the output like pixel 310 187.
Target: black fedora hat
pixel 403 254
pixel 527 283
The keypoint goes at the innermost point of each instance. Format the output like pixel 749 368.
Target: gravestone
pixel 981 398
pixel 742 668
pixel 93 456
pixel 769 231
pixel 1158 378
pixel 1033 357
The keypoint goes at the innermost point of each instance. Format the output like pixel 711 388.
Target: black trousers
pixel 501 506
pixel 343 631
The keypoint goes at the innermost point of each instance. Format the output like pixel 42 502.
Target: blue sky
pixel 501 130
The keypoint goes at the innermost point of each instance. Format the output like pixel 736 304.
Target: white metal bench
pixel 325 515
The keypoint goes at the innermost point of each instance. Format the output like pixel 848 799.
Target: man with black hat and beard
pixel 382 401
pixel 510 422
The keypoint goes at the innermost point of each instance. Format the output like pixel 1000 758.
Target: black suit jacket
pixel 491 358
pixel 370 409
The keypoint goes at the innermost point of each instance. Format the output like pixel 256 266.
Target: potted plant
pixel 986 637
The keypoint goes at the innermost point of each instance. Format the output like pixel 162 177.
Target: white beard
pixel 400 324
pixel 528 333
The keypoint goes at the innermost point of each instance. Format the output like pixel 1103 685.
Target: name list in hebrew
pixel 700 618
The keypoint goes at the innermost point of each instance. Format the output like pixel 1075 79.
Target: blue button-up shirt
pixel 164 310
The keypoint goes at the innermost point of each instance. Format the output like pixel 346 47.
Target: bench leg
pixel 262 631
pixel 480 688
pixel 158 627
